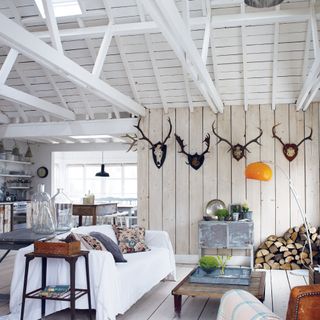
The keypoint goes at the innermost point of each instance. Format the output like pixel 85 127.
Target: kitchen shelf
pixel 15 161
pixel 15 175
pixel 19 187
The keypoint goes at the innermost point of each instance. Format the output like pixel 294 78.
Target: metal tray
pixel 232 275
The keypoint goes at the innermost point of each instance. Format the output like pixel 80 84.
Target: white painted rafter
pixel 98 65
pixel 218 21
pixel 21 113
pixel 275 66
pixel 244 62
pixel 306 53
pixel 23 41
pixel 7 65
pixel 23 98
pixel 112 127
pixel 312 82
pixel 86 104
pixel 175 31
pixel 155 68
pixel 52 25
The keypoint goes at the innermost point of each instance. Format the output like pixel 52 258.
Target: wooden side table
pixel 72 295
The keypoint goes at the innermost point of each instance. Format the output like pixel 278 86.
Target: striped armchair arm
pixel 242 305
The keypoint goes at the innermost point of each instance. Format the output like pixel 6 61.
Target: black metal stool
pixel 72 295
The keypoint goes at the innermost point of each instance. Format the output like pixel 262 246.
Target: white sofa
pixel 115 287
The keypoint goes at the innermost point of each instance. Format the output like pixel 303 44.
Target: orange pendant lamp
pixel 258 171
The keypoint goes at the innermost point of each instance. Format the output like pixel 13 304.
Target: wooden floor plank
pixel 210 310
pixel 280 292
pixel 192 308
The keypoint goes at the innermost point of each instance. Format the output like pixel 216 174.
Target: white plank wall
pixel 174 197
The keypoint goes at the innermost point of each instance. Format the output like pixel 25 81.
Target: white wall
pixel 174 197
pixel 43 156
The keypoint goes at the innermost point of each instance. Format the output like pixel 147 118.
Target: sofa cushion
pixel 130 240
pixel 109 245
pixel 88 242
pixel 104 228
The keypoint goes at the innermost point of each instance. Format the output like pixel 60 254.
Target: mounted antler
pixel 254 140
pixel 159 149
pixel 238 150
pixel 290 150
pixel 133 143
pixel 194 160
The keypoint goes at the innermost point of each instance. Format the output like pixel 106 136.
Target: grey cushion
pixel 109 245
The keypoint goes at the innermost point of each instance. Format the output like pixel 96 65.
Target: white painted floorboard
pixel 157 304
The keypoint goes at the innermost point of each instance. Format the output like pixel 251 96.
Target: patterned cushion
pixel 88 242
pixel 131 240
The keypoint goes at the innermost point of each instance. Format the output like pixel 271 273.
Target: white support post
pixel 23 98
pixel 21 113
pixel 275 65
pixel 23 41
pixel 98 65
pixel 174 29
pixel 52 25
pixel 7 65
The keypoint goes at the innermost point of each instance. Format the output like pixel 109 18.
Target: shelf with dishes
pixel 15 175
pixel 19 188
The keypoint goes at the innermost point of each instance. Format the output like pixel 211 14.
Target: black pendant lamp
pixel 262 3
pixel 102 173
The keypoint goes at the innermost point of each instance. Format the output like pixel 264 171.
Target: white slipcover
pixel 115 287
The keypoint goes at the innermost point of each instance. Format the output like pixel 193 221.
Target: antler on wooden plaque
pixel 133 143
pixel 238 150
pixel 159 149
pixel 290 150
pixel 194 160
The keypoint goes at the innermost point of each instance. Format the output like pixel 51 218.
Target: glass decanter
pixel 42 212
pixel 63 210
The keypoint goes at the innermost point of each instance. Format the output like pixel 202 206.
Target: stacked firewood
pixel 289 252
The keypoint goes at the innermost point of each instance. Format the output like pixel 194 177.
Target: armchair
pixel 304 304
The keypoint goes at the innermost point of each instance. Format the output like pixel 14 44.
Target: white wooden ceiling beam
pixel 21 113
pixel 275 66
pixel 23 41
pixel 52 25
pixel 244 62
pixel 176 33
pixel 310 87
pixel 112 127
pixel 155 68
pixel 23 98
pixel 86 104
pixel 306 53
pixel 4 118
pixel 207 30
pixel 218 21
pixel 98 65
pixel 7 65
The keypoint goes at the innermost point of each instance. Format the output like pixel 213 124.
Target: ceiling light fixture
pixel 262 3
pixel 102 173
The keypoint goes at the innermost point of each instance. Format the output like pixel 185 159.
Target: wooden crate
pixel 58 248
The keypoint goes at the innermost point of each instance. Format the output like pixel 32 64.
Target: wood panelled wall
pixel 174 197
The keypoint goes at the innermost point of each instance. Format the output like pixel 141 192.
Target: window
pixel 122 182
pixel 61 8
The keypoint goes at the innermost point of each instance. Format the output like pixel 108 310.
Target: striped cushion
pixel 242 305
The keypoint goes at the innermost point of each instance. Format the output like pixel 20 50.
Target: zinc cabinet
pixel 226 235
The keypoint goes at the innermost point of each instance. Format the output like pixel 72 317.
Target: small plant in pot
pixel 222 214
pixel 245 209
pixel 208 263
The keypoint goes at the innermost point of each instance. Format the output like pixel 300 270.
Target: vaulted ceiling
pixel 121 56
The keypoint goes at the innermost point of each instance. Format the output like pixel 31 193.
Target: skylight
pixel 62 8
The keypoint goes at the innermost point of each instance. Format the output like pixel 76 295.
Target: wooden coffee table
pixel 216 291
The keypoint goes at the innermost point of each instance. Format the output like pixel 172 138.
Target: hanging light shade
pixel 102 173
pixel 258 171
pixel 28 154
pixel 262 3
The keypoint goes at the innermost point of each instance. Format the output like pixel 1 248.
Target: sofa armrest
pixel 240 304
pixel 161 239
pixel 304 302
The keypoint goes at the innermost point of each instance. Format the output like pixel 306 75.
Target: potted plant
pixel 222 214
pixel 208 263
pixel 222 262
pixel 246 213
